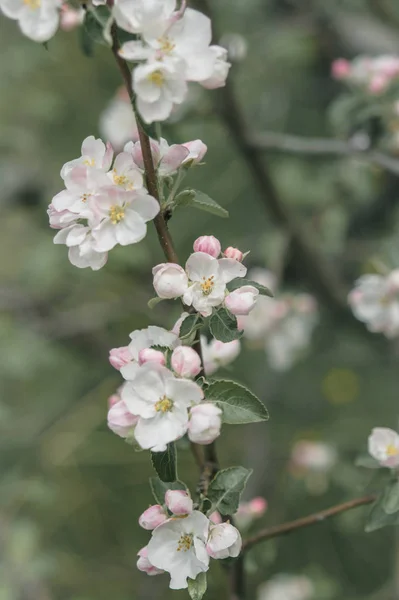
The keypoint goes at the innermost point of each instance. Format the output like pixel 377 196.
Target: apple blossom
pixel 83 185
pixel 60 219
pixel 167 159
pixel 94 155
pixel 208 244
pixel 37 19
pixel 117 122
pixel 118 357
pixel 224 541
pixel 82 252
pixel 123 217
pixel 125 173
pixel 375 301
pixel 144 565
pixel 383 445
pixel 185 361
pixel 242 300
pixel 197 150
pixel 208 278
pixel 113 399
pixel 286 587
pixel 120 420
pixel 178 546
pixel 151 355
pixel 205 423
pixel 143 339
pixel 235 253
pixel 144 16
pixel 220 69
pixel 170 280
pixel 152 517
pixel 218 354
pixel 162 402
pixel 178 502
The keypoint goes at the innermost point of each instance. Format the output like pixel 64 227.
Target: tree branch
pixel 285 528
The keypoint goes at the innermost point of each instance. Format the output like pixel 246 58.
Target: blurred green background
pixel 71 491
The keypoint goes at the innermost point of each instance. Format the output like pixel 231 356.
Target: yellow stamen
pixel 166 46
pixel 122 180
pixel 185 542
pixel 392 450
pixel 207 285
pixel 116 213
pixel 88 162
pixel 164 405
pixel 85 197
pixel 157 78
pixel 33 4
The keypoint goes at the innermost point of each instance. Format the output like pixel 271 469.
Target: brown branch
pixel 285 528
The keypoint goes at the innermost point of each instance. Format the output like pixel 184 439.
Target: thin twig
pixel 270 140
pixel 285 528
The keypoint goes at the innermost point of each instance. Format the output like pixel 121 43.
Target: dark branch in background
pixel 285 528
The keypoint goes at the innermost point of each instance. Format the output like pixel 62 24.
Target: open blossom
pixel 161 401
pixel 224 541
pixel 144 565
pixel 94 155
pixel 208 244
pixel 82 252
pixel 120 420
pixel 83 185
pixel 286 587
pixel 125 173
pixel 37 19
pixel 178 546
pixel 167 159
pixel 205 423
pixel 218 354
pixel 179 502
pixel 197 150
pixel 383 445
pixel 152 517
pixel 185 361
pixel 117 122
pixel 375 301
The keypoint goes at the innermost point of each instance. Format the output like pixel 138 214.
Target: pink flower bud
pixel 185 361
pixel 70 18
pixel 340 68
pixel 258 506
pixel 205 423
pixel 197 150
pixel 216 518
pixel 208 244
pixel 113 399
pixel 242 300
pixel 119 357
pixel 378 84
pixel 151 355
pixel 170 280
pixel 224 541
pixel 234 253
pixel 152 517
pixel 143 564
pixel 178 502
pixel 120 420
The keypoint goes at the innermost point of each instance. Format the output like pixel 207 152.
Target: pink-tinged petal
pixel 146 206
pixel 131 230
pixel 173 159
pixel 201 265
pixel 230 269
pixel 105 236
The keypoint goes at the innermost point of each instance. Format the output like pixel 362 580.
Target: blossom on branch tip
pixel 178 502
pixel 383 445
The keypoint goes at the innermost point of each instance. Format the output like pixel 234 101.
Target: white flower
pixel 224 541
pixel 95 155
pixel 178 502
pixel 178 547
pixel 162 402
pixel 143 339
pixel 286 587
pixel 205 423
pixel 242 300
pixel 59 219
pixel 170 280
pixel 158 85
pixel 82 252
pixel 117 121
pixel 120 420
pixel 123 217
pixel 375 301
pixel 144 16
pixel 218 354
pixel 125 173
pixel 208 277
pixel 220 70
pixel 383 444
pixel 38 19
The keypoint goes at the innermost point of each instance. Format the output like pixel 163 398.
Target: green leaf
pixel 225 489
pixel 190 325
pixel 378 518
pixel 239 282
pixel 201 201
pixel 368 462
pixel 223 326
pixel 390 500
pixel 159 488
pixel 197 587
pixel 238 404
pixel 92 32
pixel 165 463
pixel 154 302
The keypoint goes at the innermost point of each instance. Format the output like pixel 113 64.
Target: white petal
pixel 39 24
pixel 185 393
pixel 160 430
pixel 201 265
pixel 146 206
pixel 131 230
pixel 105 236
pixel 230 269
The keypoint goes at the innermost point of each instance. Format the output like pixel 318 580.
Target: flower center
pixel 116 213
pixel 164 405
pixel 207 285
pixel 122 180
pixel 165 45
pixel 185 542
pixel 392 450
pixel 89 162
pixel 33 4
pixel 85 197
pixel 157 78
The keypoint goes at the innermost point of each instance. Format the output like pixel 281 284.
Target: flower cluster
pixel 203 282
pixel 157 405
pixel 375 301
pixel 183 540
pixel 283 325
pixel 37 19
pixel 375 75
pixel 383 445
pixel 105 203
pixel 174 47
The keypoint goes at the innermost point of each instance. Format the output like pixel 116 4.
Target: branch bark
pixel 291 526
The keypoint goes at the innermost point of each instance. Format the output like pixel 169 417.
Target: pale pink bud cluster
pixel 118 357
pixel 375 75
